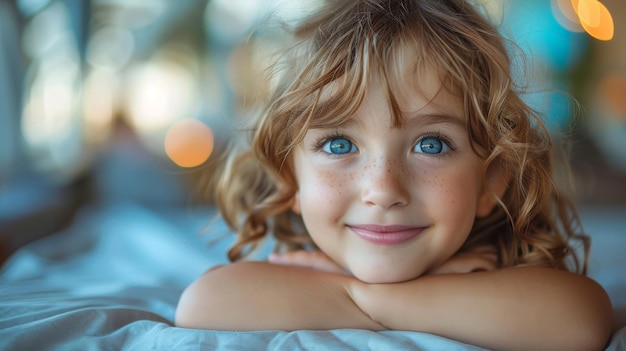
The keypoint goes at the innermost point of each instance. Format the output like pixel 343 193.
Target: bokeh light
pixel 135 14
pixel 159 93
pixel 566 16
pixel 595 18
pixel 110 47
pixel 49 113
pixel 189 143
pixel 50 123
pixel 230 20
pixel 100 103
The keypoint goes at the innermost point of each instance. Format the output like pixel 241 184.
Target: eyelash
pixel 443 139
pixel 319 145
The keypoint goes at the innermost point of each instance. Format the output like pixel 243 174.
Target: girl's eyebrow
pixel 417 119
pixel 423 119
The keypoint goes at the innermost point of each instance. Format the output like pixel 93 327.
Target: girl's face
pixel 389 204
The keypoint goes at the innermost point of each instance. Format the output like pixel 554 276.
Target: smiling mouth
pixel 386 235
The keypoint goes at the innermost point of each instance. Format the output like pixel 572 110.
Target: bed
pixel 112 280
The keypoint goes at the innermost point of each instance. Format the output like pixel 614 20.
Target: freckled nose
pixel 385 186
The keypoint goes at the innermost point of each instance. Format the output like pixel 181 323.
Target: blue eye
pixel 431 145
pixel 339 146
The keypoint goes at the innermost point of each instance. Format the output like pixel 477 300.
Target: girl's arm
pixel 493 310
pixel 516 308
pixel 526 308
pixel 262 296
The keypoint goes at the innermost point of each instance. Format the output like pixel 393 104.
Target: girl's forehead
pixel 409 84
pixel 405 75
pixel 423 96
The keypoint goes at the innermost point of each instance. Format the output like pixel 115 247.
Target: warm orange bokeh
pixel 595 18
pixel 189 143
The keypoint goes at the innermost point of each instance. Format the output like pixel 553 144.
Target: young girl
pixel 396 146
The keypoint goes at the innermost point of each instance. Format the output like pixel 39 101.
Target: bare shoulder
pixel 208 295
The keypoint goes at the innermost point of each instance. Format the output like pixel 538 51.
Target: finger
pixel 300 258
pixel 484 264
pixel 466 264
pixel 307 259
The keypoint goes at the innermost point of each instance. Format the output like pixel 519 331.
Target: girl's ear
pixel 496 184
pixel 295 206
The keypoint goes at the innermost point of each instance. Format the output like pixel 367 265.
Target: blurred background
pixel 105 101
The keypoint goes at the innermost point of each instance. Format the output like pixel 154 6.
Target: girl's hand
pixel 480 259
pixel 316 260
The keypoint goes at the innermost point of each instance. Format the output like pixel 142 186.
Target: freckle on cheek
pixel 330 180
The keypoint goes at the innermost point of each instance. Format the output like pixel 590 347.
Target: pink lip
pixel 386 235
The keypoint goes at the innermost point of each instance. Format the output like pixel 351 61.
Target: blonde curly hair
pixel 342 44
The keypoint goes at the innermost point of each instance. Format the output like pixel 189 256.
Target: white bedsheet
pixel 113 279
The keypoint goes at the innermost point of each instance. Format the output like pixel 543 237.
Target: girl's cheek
pixel 326 187
pixel 333 182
